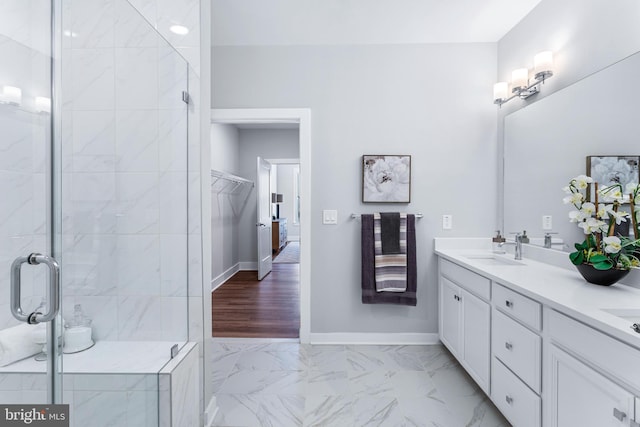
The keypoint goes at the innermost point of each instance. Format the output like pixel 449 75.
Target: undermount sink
pixel 493 259
pixel 630 314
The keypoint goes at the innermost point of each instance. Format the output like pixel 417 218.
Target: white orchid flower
pixel 612 193
pixel 603 211
pixel 588 209
pixel 581 181
pixel 612 244
pixel 574 199
pixel 577 216
pixel 567 189
pixel 619 216
pixel 592 225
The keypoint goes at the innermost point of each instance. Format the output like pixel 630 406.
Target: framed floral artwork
pixel 386 178
pixel 609 170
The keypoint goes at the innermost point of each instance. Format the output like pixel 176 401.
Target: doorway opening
pixel 278 305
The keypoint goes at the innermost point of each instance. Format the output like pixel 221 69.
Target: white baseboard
pixel 211 412
pixel 293 238
pixel 248 265
pixel 220 279
pixel 374 338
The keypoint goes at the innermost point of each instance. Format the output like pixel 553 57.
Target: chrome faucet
pixel 517 244
pixel 518 239
pixel 547 240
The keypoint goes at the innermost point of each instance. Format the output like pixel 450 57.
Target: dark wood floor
pixel 244 307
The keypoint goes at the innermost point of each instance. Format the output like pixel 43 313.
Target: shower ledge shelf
pixel 223 182
pixel 109 357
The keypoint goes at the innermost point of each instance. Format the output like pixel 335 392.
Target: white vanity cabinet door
pixel 465 329
pixel 450 315
pixel 582 397
pixel 476 317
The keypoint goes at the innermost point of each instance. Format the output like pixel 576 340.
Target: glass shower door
pixel 30 361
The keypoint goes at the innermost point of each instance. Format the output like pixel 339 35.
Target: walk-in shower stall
pixel 94 177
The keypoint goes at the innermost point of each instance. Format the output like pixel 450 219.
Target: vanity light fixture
pixel 521 85
pixel 180 30
pixel 11 95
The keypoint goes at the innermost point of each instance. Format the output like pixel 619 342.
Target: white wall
pixel 225 150
pixel 266 143
pixel 430 101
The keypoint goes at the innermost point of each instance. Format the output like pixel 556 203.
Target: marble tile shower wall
pixel 124 188
pixel 25 136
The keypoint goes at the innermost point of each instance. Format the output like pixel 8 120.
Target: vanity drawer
pixel 516 401
pixel 612 357
pixel 518 306
pixel 473 282
pixel 518 348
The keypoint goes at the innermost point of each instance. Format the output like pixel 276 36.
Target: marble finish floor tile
pixel 290 384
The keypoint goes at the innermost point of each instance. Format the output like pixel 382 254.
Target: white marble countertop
pixel 107 357
pixel 562 289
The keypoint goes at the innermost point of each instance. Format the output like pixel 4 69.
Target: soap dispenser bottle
pixel 524 238
pixel 498 243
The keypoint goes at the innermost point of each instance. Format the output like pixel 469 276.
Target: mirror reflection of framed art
pixel 608 170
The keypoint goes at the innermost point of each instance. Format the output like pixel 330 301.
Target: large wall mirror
pixel 547 143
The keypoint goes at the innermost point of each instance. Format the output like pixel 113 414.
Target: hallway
pixel 244 307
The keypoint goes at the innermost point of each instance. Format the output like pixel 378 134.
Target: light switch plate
pixel 447 222
pixel 330 216
pixel 547 223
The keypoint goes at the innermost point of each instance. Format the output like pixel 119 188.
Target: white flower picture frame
pixel 608 170
pixel 386 178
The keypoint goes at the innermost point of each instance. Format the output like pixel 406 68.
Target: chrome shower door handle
pixel 53 291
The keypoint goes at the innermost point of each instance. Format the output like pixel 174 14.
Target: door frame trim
pixel 301 116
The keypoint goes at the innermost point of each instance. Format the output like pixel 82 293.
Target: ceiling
pixel 342 22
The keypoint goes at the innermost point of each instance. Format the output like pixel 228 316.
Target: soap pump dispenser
pixel 498 243
pixel 525 238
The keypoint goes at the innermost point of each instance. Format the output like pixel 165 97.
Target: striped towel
pixel 390 269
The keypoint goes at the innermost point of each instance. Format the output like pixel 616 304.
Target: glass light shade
pixel 12 95
pixel 43 104
pixel 519 79
pixel 543 64
pixel 180 30
pixel 500 91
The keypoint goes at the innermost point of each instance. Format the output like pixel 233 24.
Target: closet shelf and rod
pixel 357 216
pixel 223 182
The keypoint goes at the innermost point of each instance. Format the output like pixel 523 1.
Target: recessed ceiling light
pixel 179 29
pixel 69 33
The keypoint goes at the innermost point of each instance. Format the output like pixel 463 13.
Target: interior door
pixel 263 223
pixel 29 276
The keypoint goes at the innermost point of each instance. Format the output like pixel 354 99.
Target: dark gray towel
pixel 390 232
pixel 368 277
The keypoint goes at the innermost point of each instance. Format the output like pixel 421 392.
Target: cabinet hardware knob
pixel 619 414
pixel 508 345
pixel 509 399
pixel 508 303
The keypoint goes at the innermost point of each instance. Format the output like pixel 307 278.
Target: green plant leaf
pixel 604 265
pixel 577 258
pixel 596 258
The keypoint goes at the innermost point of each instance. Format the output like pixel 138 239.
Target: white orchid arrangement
pixel 603 247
